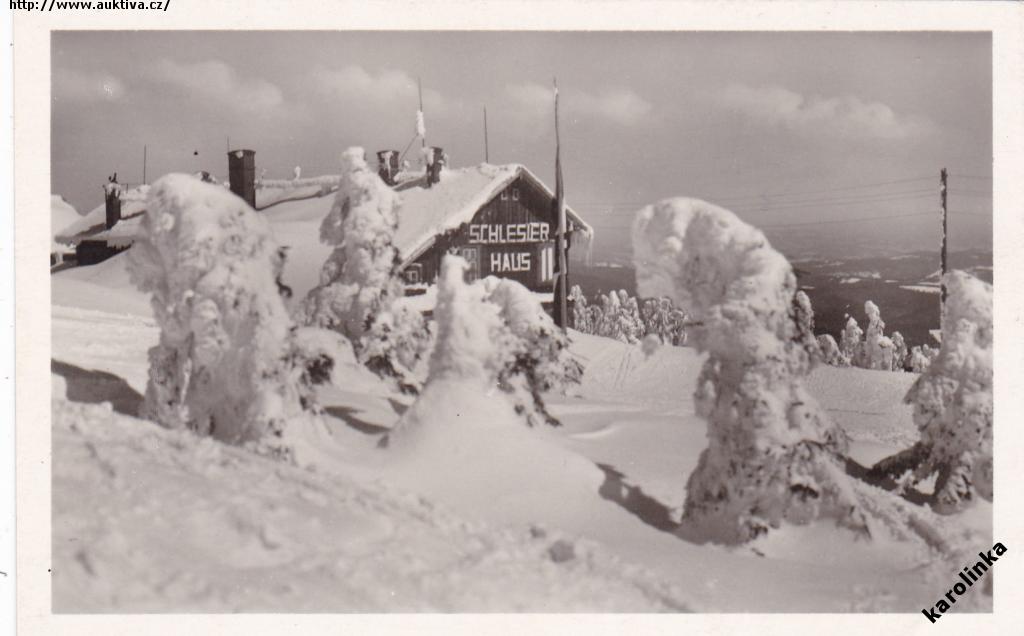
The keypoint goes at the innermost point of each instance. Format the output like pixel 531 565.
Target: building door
pixel 472 256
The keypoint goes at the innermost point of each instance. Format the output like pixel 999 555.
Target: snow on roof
pixel 62 215
pixel 94 223
pixel 426 213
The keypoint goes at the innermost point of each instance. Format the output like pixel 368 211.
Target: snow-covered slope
pixel 488 519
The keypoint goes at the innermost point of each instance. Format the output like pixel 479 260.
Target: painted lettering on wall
pixel 510 262
pixel 535 232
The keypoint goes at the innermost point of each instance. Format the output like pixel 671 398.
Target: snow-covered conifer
pixel 580 311
pixel 921 358
pixel 899 351
pixel 773 453
pixel 359 283
pixel 850 342
pixel 803 314
pixel 539 359
pixel 877 350
pixel 474 346
pixel 952 403
pixel 223 363
pixel 830 353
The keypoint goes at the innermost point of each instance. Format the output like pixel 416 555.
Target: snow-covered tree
pixel 359 283
pixel 580 311
pixel 877 349
pixel 830 353
pixel 661 318
pixel 921 358
pixel 539 359
pixel 224 364
pixel 803 314
pixel 952 403
pixel 773 454
pixel 474 347
pixel 850 344
pixel 899 351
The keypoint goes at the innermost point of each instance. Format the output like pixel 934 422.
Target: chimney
pixel 387 166
pixel 242 174
pixel 112 196
pixel 435 161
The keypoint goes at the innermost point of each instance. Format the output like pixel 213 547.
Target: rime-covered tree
pixel 850 342
pixel 224 365
pixel 773 454
pixel 830 353
pixel 474 346
pixel 952 403
pixel 359 282
pixel 580 311
pixel 539 358
pixel 899 351
pixel 803 314
pixel 877 349
pixel 921 358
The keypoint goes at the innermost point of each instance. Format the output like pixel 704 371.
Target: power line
pixel 776 195
pixel 856 220
pixel 972 176
pixel 878 198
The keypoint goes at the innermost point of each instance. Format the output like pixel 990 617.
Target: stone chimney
pixel 387 166
pixel 112 198
pixel 242 174
pixel 435 162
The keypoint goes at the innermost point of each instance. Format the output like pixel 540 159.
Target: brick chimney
pixel 435 161
pixel 387 165
pixel 242 174
pixel 112 199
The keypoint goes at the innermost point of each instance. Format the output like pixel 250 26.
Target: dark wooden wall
pixel 520 202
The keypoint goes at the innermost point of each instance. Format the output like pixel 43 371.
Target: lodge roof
pixel 425 213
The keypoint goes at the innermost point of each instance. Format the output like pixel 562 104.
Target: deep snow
pixel 484 517
pixel 539 519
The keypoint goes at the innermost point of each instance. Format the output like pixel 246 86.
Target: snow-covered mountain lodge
pixel 500 218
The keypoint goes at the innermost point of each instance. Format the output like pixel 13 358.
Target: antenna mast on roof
pixel 421 127
pixel 487 152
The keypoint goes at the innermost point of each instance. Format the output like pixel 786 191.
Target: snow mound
pixel 152 520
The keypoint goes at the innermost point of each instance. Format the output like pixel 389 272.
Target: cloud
pixel 83 86
pixel 842 116
pixel 621 106
pixel 389 87
pixel 219 83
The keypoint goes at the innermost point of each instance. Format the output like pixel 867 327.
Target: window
pixel 413 274
pixel 515 194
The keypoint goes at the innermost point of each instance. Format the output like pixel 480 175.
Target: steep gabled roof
pixel 427 213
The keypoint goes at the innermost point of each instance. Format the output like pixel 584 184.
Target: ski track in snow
pixel 147 519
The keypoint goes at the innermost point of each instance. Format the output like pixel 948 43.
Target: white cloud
pixel 621 106
pixel 83 86
pixel 389 87
pixel 217 82
pixel 843 116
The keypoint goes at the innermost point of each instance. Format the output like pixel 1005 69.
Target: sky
pixel 830 142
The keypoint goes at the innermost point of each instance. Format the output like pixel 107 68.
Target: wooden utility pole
pixel 487 152
pixel 945 229
pixel 561 254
